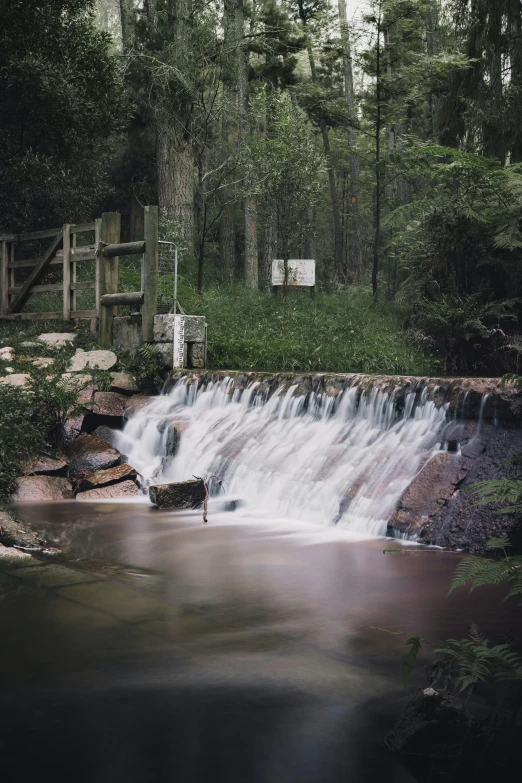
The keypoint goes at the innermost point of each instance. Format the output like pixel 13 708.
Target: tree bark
pixel 175 167
pixel 378 123
pixel 127 18
pixel 174 151
pixel 227 226
pixel 250 211
pixel 334 198
pixel 355 249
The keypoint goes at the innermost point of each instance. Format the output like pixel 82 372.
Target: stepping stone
pixel 18 379
pixel 7 354
pixel 57 339
pixel 100 360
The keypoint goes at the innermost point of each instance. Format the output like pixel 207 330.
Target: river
pixel 163 649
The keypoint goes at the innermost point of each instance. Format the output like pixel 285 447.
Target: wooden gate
pixel 103 251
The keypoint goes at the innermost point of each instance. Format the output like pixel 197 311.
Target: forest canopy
pixel 381 138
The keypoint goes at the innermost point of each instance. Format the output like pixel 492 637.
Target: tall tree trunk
pixel 175 154
pixel 378 123
pixel 175 166
pixel 227 225
pixel 127 18
pixel 355 248
pixel 516 75
pixel 242 64
pixel 334 198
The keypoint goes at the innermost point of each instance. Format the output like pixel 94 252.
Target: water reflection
pixel 235 651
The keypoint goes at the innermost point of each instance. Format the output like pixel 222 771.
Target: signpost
pixel 179 342
pixel 300 272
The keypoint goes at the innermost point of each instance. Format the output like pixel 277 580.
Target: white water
pixel 314 458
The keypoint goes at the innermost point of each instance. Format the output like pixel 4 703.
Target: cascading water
pixel 342 460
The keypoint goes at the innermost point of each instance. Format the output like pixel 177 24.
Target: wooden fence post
pixel 4 279
pixel 108 274
pixel 150 273
pixel 66 271
pixel 97 237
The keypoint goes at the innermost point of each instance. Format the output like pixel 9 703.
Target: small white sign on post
pixel 179 341
pixel 301 272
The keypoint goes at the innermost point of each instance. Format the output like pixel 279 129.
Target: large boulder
pixel 104 478
pixel 135 404
pixel 109 404
pixel 183 494
pixel 436 738
pixel 15 534
pixel 73 426
pixel 46 465
pixel 123 382
pixel 41 489
pixel 96 360
pixel 88 454
pixel 430 489
pixel 122 490
pixel 107 433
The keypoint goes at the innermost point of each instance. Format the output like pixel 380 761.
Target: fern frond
pixel 478 571
pixel 498 543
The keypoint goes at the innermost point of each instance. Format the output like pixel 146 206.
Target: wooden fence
pixel 104 249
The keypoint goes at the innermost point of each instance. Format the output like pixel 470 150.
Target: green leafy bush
pixel 31 419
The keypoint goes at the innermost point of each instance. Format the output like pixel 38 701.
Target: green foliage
pixel 409 658
pixel 145 365
pixel 476 660
pixel 31 420
pixel 503 491
pixel 462 329
pixel 339 332
pixel 62 101
pixel 480 571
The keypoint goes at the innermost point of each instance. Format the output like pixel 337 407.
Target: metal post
pixel 175 278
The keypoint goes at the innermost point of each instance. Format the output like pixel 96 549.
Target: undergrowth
pixel 342 331
pixel 32 421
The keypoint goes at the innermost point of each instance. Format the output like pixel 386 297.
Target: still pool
pixel 157 648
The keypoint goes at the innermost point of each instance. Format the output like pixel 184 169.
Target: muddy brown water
pixel 162 649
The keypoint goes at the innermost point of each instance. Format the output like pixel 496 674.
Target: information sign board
pixel 301 272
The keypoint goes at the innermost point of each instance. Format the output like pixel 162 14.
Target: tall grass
pixel 332 332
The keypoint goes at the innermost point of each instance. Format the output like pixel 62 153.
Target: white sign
pixel 179 341
pixel 301 271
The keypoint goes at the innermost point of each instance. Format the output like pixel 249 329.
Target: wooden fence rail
pixel 63 252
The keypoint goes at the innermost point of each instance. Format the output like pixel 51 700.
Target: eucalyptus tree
pixel 356 266
pixel 62 103
pixel 482 108
pixel 403 73
pixel 289 170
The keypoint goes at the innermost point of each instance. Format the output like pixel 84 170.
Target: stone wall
pixel 127 334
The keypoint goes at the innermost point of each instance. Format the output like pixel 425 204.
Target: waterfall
pixel 342 460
